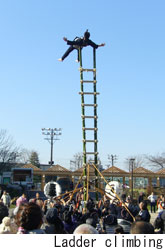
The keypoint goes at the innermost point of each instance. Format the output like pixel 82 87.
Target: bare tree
pixel 139 161
pixel 77 161
pixel 24 156
pixel 157 162
pixel 8 151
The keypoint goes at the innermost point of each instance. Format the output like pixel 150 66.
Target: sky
pixel 39 91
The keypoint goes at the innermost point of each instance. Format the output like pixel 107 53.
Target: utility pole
pixel 51 136
pixel 131 161
pixel 113 158
pixel 72 165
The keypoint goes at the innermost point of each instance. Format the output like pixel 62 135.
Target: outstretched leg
pixel 69 50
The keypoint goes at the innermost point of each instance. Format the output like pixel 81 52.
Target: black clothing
pixel 80 42
pixel 76 44
pixel 145 215
pixel 153 206
pixel 141 198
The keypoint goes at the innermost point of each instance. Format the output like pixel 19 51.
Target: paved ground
pixel 153 217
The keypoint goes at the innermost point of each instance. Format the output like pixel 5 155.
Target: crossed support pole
pixel 96 189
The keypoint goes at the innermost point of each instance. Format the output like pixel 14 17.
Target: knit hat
pixel 51 215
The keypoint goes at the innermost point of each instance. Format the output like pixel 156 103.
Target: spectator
pixel 21 199
pixel 159 225
pixel 145 215
pixel 85 229
pixel 80 200
pixel 6 198
pixel 7 226
pixel 119 230
pixel 152 198
pixel 29 219
pixel 55 224
pixel 141 227
pixel 141 197
pixel 3 211
pixel 38 198
pixel 161 204
pixel 1 192
pixel 69 226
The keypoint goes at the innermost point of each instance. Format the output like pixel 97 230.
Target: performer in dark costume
pixel 79 42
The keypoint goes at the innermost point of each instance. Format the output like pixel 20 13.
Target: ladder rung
pixel 90 141
pixel 94 81
pixel 82 69
pixel 89 93
pixel 93 161
pixel 89 116
pixel 90 129
pixel 89 105
pixel 90 153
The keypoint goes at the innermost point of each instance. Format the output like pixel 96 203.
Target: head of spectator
pixel 7 226
pixel 51 215
pixel 92 222
pixel 40 203
pixel 119 230
pixel 110 220
pixel 29 218
pixel 85 229
pixel 162 215
pixel 138 218
pixel 106 203
pixel 37 195
pixel 141 227
pixel 158 225
pixel 4 192
pixel 143 205
pixel 55 223
pixel 123 197
pixel 3 211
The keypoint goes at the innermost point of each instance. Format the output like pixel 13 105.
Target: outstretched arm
pixel 101 45
pixel 65 39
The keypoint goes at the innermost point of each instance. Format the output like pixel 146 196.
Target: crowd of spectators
pixel 69 215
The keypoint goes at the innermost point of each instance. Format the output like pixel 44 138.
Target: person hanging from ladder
pixel 79 42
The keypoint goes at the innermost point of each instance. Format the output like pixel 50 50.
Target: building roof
pixel 80 170
pixel 161 171
pixel 114 170
pixel 141 170
pixel 58 168
pixel 31 166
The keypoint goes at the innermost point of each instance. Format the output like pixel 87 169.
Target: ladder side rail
pixel 84 131
pixel 95 122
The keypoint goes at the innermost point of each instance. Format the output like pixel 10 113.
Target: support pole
pixel 114 192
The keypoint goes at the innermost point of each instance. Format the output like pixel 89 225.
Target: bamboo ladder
pixel 86 130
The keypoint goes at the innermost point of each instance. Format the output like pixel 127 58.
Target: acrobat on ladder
pixel 78 43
